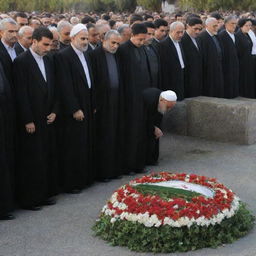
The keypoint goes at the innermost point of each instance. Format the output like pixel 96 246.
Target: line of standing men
pixel 77 115
pixel 62 131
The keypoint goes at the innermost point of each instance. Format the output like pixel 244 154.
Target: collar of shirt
pixel 209 33
pixel 24 48
pixel 174 41
pixel 78 52
pixel 253 38
pixel 192 38
pixel 10 50
pixel 35 55
pixel 231 35
pixel 7 47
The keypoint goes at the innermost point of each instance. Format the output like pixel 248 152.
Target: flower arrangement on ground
pixel 168 212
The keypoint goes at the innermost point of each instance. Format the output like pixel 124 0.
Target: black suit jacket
pixel 194 67
pixel 18 49
pixel 172 73
pixel 73 87
pixel 6 62
pixel 230 65
pixel 36 98
pixel 213 84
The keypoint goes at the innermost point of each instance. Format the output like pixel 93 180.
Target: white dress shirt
pixel 193 40
pixel 10 50
pixel 177 46
pixel 40 62
pixel 81 57
pixel 232 36
pixel 253 38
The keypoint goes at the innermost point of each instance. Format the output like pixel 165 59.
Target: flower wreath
pixel 167 202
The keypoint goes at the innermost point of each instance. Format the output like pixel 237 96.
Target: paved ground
pixel 65 229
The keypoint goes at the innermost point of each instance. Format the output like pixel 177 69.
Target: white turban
pixel 77 28
pixel 169 95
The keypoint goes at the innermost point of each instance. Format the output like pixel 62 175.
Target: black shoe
pixel 74 191
pixel 7 217
pixel 33 208
pixel 49 201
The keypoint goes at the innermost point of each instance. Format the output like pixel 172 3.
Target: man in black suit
pixel 161 31
pixel 36 113
pixel 8 32
pixel 136 78
pixel 24 39
pixel 93 37
pixel 152 55
pixel 172 60
pixel 213 84
pixel 194 59
pixel 64 28
pixel 75 82
pixel 6 149
pixel 107 91
pixel 230 58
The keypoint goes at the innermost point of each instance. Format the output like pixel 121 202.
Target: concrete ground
pixel 65 228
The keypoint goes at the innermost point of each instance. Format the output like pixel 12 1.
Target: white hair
pixel 208 21
pixel 24 29
pixel 175 24
pixel 74 20
pixel 122 28
pixel 110 33
pixel 62 24
pixel 5 21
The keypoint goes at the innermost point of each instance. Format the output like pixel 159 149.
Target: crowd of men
pixel 82 100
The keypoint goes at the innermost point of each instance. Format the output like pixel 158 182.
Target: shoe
pixel 7 217
pixel 33 208
pixel 74 191
pixel 49 201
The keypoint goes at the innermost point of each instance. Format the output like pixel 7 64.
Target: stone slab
pixel 224 120
pixel 175 121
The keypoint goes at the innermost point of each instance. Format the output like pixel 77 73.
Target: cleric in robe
pixel 37 108
pixel 74 80
pixel 230 58
pixel 172 60
pixel 156 104
pixel 108 100
pixel 135 75
pixel 6 132
pixel 194 59
pixel 244 46
pixel 213 83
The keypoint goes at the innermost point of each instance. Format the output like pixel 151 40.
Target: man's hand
pixel 30 128
pixel 51 118
pixel 158 133
pixel 79 115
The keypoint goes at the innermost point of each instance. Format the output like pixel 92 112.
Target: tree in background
pixel 121 5
pixel 153 5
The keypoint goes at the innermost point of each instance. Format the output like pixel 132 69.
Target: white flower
pixel 113 220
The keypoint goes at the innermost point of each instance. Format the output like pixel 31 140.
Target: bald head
pixel 177 29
